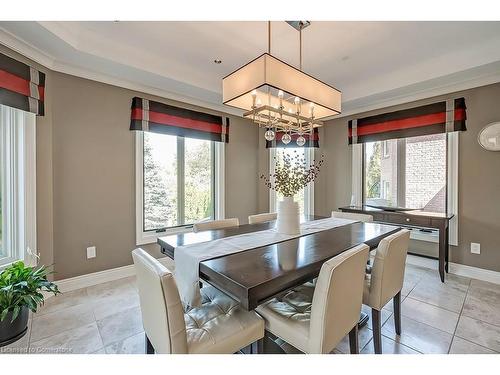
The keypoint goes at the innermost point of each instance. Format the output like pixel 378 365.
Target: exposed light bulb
pixel 301 141
pixel 286 138
pixel 311 105
pixel 296 100
pixel 280 93
pixel 254 93
pixel 259 102
pixel 269 135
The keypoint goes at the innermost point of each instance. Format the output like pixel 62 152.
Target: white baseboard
pixel 91 279
pixel 457 269
pixel 84 281
pixel 475 272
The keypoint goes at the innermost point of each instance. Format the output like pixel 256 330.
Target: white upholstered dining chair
pixel 216 224
pixel 385 281
pixel 262 218
pixel 220 325
pixel 353 216
pixel 316 319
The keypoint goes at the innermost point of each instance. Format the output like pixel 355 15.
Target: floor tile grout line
pixel 459 316
pixel 439 307
pixel 475 343
pixel 428 325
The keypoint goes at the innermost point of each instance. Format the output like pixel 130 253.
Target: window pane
pixel 426 172
pixel 381 164
pixel 198 186
pixel 160 181
pixel 300 196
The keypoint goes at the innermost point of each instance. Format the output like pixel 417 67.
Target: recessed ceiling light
pixel 217 61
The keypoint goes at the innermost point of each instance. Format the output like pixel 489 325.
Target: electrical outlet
pixel 475 248
pixel 91 252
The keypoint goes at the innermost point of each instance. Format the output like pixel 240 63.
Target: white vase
pixel 288 221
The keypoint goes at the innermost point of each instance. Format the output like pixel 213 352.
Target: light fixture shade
pixel 267 75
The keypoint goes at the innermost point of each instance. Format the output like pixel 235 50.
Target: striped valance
pixel 21 86
pixel 151 116
pixel 310 141
pixel 442 117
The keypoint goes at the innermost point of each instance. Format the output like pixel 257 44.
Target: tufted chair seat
pixel 314 318
pixel 219 325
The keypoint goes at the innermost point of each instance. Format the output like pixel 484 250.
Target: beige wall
pixel 479 177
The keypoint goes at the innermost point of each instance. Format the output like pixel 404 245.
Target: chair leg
pixel 149 346
pixel 353 340
pixel 397 312
pixel 376 328
pixel 257 347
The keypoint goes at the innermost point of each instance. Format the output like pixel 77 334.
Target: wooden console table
pixel 417 219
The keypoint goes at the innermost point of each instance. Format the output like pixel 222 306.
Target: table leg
pixel 447 248
pixel 442 251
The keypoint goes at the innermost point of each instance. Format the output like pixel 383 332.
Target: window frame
pixel 452 157
pixel 150 236
pixel 18 186
pixel 308 190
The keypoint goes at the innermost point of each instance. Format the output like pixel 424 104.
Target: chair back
pixel 353 216
pixel 162 312
pixel 387 274
pixel 262 218
pixel 337 299
pixel 216 224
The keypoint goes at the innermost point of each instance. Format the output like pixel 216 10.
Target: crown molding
pixel 18 45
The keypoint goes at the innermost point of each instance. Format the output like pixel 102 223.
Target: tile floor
pixel 460 316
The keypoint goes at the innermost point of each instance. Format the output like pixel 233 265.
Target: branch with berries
pixel 292 174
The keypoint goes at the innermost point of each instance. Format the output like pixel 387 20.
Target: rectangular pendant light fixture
pixel 265 76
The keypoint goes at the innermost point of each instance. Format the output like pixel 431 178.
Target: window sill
pixel 146 238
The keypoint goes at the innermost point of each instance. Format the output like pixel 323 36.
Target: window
pixel 412 175
pixel 305 197
pixel 177 183
pixel 17 186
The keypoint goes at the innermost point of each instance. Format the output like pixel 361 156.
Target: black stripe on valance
pixel 151 116
pixel 441 117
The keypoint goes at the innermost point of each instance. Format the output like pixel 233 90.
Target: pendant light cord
pixel 300 48
pixel 269 37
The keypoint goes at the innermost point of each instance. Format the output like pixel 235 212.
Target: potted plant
pixel 289 177
pixel 21 290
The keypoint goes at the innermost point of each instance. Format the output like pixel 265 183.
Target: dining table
pixel 254 276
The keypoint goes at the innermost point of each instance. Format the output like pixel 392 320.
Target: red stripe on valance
pixel 168 120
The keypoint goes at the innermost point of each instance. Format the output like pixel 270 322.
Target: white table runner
pixel 188 257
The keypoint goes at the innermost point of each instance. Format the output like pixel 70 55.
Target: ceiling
pixel 372 63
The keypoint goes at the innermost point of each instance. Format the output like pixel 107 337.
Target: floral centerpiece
pixel 289 177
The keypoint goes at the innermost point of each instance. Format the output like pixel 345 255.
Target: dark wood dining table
pixel 253 276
